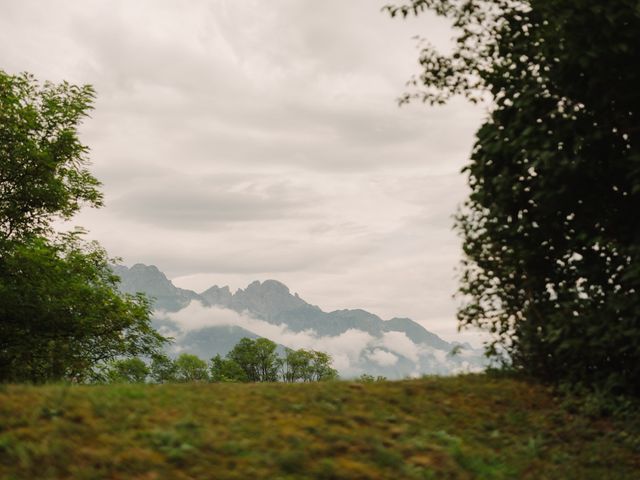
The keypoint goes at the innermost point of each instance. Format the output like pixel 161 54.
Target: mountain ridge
pixel 395 348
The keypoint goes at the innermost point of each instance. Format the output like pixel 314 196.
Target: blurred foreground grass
pixel 473 426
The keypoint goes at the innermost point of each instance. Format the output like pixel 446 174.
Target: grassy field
pixel 464 427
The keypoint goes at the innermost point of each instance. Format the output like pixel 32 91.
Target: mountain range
pixel 213 321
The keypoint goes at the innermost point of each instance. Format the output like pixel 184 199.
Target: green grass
pixel 464 427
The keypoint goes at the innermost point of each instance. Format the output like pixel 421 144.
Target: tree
pixel 190 368
pixel 43 171
pixel 320 368
pixel 226 370
pixel 551 231
pixel 163 369
pixel 306 366
pixel 129 370
pixel 296 365
pixel 267 360
pixel 257 359
pixel 61 315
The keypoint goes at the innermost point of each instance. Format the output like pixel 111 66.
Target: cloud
pixel 345 348
pixel 399 343
pixel 250 139
pixel 382 357
pixel 197 204
pixel 350 350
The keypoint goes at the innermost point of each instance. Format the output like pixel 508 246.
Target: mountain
pixel 150 280
pixel 213 321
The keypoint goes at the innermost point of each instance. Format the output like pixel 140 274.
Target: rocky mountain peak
pixel 267 299
pixel 217 296
pixel 151 281
pixel 154 281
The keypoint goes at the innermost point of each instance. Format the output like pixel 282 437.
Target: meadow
pixel 473 426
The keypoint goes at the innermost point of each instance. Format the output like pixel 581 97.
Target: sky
pixel 242 140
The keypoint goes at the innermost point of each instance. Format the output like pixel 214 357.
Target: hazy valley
pixel 213 321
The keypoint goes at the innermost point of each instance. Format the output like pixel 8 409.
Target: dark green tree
pixel 306 366
pixel 551 230
pixel 128 370
pixel 190 368
pixel 163 369
pixel 267 360
pixel 257 359
pixel 320 368
pixel 43 172
pixel 295 365
pixel 226 370
pixel 61 315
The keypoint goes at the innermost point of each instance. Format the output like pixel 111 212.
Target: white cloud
pixel 345 348
pixel 251 139
pixel 348 350
pixel 382 357
pixel 399 343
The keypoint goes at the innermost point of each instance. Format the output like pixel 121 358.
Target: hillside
pixel 212 322
pixel 457 427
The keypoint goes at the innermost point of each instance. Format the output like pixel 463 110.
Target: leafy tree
pixel 296 365
pixel 257 359
pixel 61 315
pixel 190 368
pixel 267 361
pixel 306 366
pixel 259 362
pixel 43 171
pixel 243 354
pixel 129 370
pixel 320 368
pixel 163 369
pixel 551 230
pixel 226 370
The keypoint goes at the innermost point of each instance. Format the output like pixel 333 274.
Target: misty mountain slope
pixel 213 321
pixel 266 300
pixel 150 280
pixel 415 332
pixel 210 341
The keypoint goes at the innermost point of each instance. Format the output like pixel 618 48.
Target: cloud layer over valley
pixel 350 349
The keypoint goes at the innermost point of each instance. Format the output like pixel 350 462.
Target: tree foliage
pixel 258 361
pixel 128 370
pixel 43 172
pixel 226 370
pixel 191 368
pixel 163 369
pixel 306 366
pixel 61 315
pixel 551 230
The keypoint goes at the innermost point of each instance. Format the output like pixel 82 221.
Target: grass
pixel 465 427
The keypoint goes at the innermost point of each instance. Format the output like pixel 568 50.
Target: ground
pixel 474 426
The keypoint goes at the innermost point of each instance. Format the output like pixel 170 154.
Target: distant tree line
pixel 249 361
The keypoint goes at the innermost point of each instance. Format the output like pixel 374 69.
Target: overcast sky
pixel 243 139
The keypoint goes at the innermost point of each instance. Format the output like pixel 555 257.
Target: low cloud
pixel 382 358
pixel 345 348
pixel 350 350
pixel 399 343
